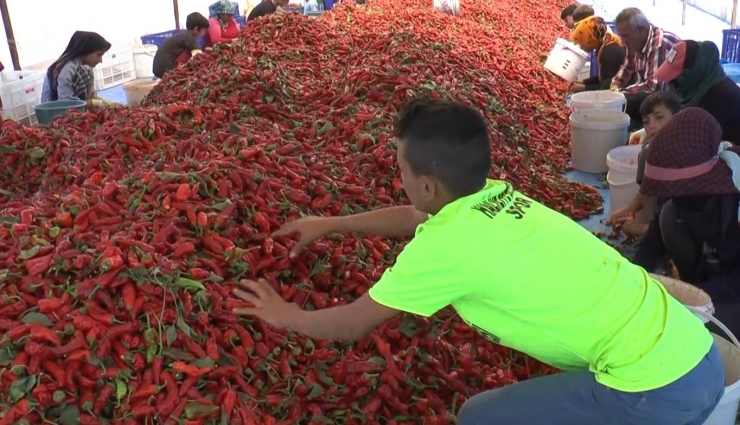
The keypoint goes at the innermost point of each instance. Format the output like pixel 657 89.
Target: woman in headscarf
pixel 592 34
pixel 697 176
pixel 693 71
pixel 71 76
pixel 222 28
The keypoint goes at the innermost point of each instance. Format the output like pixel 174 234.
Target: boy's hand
pixel 310 229
pixel 638 137
pixel 621 215
pixel 634 227
pixel 268 304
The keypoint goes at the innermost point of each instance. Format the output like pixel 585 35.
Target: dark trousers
pixel 685 252
pixel 634 101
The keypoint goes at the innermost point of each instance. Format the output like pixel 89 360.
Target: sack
pixel 451 7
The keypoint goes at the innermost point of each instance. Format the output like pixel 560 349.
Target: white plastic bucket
pixel 622 163
pixel 144 60
pixel 595 132
pixel 566 59
pixel 622 176
pixel 451 7
pixel 726 411
pixel 600 99
pixel 689 295
pixel 137 90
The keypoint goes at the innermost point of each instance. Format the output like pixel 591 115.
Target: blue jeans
pixel 577 399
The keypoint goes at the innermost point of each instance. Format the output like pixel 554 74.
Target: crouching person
pixel 179 48
pixel 528 278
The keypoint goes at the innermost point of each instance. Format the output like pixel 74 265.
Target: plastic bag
pixel 451 7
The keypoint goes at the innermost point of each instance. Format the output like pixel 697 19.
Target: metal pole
pixel 9 34
pixel 733 20
pixel 683 13
pixel 177 13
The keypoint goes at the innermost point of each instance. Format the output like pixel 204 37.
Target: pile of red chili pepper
pixel 123 231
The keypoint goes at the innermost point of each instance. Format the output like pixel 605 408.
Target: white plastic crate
pixel 117 68
pixel 20 92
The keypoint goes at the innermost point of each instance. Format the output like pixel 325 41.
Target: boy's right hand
pixel 309 228
pixel 638 137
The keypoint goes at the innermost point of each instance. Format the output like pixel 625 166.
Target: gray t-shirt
pixel 641 160
pixel 166 55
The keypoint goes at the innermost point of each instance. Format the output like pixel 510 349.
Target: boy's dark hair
pixel 448 141
pixel 582 12
pixel 662 98
pixel 196 20
pixel 568 11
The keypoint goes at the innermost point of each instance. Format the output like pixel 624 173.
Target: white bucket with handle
pixel 726 411
pixel 566 60
pixel 599 99
pixel 688 295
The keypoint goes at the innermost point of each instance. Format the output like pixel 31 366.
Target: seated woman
pixel 222 28
pixel 71 76
pixel 693 71
pixel 592 34
pixel 696 175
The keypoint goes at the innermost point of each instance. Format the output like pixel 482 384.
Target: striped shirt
pixel 643 65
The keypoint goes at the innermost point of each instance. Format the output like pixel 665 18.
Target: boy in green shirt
pixel 528 278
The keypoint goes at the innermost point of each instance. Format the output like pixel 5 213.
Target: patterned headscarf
pixel 223 7
pixel 592 33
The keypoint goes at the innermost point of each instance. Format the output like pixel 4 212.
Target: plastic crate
pixel 298 9
pixel 107 76
pixel 117 54
pixel 20 92
pixel 731 45
pixel 159 38
pixel 211 13
pixel 594 62
pixel 241 21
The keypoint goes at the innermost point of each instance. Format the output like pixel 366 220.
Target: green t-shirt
pixel 531 279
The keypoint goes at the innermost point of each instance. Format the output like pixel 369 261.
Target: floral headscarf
pixel 592 33
pixel 223 7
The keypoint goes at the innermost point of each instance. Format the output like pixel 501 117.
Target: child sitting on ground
pixel 657 110
pixel 180 47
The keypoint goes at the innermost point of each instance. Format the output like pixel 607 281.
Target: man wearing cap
pixel 647 47
pixel 693 71
pixel 698 176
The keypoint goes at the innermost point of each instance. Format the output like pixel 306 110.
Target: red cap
pixel 672 67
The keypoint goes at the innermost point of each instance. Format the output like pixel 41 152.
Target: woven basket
pixel 687 294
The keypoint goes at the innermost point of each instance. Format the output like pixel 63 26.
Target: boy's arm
pixel 420 282
pixel 351 322
pixel 390 222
